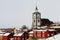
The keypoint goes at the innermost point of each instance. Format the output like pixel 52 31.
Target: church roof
pixel 45 22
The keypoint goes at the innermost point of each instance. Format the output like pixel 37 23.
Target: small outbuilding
pixel 18 36
pixel 6 36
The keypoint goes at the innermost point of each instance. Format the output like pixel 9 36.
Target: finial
pixel 36 9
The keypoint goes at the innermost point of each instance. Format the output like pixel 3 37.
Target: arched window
pixel 34 20
pixel 38 20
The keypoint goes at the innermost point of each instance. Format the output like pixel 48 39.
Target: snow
pixel 31 32
pixel 19 34
pixel 51 29
pixel 50 38
pixel 56 37
pixel 55 27
pixel 6 34
pixel 43 27
pixel 1 34
pixel 40 30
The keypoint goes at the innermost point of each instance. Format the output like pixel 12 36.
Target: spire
pixel 36 9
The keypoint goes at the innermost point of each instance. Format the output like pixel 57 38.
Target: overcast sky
pixel 19 12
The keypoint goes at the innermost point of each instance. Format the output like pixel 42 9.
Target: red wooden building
pixel 18 36
pixel 21 36
pixel 43 33
pixel 6 36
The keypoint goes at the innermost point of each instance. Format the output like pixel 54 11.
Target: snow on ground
pixel 56 37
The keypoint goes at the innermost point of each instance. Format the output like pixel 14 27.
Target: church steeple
pixel 36 19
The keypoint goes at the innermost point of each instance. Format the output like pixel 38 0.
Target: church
pixel 42 28
pixel 37 21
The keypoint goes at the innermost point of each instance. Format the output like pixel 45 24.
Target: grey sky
pixel 19 12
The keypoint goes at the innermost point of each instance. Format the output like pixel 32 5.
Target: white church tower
pixel 36 19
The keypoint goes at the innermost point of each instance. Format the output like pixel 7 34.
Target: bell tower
pixel 36 19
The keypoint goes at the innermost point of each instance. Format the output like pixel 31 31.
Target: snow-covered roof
pixel 43 26
pixel 31 32
pixel 45 30
pixel 55 27
pixel 1 34
pixel 19 34
pixel 6 34
pixel 40 30
pixel 51 29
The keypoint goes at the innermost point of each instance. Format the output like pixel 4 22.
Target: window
pixel 38 20
pixel 34 20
